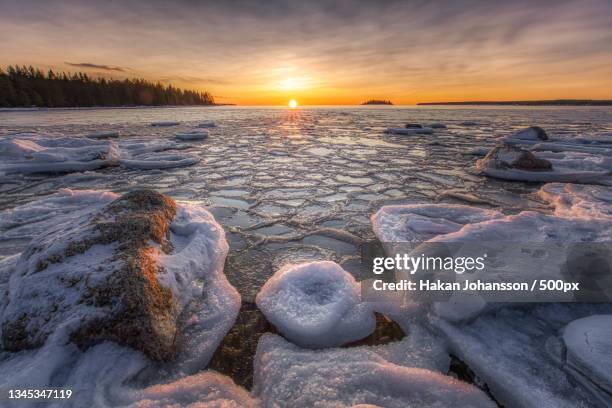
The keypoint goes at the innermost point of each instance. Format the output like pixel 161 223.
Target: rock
pixel 531 133
pixel 513 157
pixel 413 126
pixel 98 278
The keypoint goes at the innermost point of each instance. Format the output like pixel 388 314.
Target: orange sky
pixel 326 52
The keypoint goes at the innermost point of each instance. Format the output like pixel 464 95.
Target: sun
pixel 293 104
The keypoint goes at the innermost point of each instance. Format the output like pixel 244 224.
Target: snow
pixel 193 272
pixel 192 135
pixel 588 342
pixel 203 389
pixel 32 153
pixel 316 304
pixel 410 131
pixel 348 377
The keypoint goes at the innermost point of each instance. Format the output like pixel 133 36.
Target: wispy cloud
pixel 96 66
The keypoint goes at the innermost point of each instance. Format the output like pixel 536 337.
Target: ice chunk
pixel 420 222
pixel 203 389
pixel 576 200
pixel 589 348
pixel 531 133
pixel 316 304
pixel 39 154
pixel 192 135
pixel 348 377
pixel 165 124
pixel 103 134
pixel 437 125
pixel 410 131
pixel 161 161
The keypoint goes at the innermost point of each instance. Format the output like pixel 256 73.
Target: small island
pixel 378 102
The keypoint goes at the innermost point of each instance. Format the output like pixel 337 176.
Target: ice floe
pixel 161 161
pixel 349 377
pixel 33 153
pixel 192 135
pixel 103 134
pixel 410 131
pixel 316 304
pixel 578 200
pixel 208 124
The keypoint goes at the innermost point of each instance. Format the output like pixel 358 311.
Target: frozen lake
pixel 293 185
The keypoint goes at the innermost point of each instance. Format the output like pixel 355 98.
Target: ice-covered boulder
pixel 578 200
pixel 316 304
pixel 192 135
pixel 349 377
pixel 507 157
pixel 31 153
pixel 511 162
pixel 410 131
pixel 120 271
pixel 207 388
pixel 534 133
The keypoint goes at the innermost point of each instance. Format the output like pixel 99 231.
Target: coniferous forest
pixel 29 87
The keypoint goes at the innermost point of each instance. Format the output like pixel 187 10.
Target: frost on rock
pixel 316 304
pixel 207 388
pixel 121 272
pixel 348 377
pixel 578 200
pixel 32 153
pixel 511 162
pixel 588 345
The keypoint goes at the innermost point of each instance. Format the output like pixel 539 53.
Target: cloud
pixel 96 66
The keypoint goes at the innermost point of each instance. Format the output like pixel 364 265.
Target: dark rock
pixel 513 157
pixel 413 126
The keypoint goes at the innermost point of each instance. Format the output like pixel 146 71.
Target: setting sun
pixel 293 104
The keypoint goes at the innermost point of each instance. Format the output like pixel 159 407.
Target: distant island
pixel 378 102
pixel 553 102
pixel 25 87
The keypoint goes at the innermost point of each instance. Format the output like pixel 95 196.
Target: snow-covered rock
pixel 511 162
pixel 349 377
pixel 588 344
pixel 192 135
pixel 316 304
pixel 121 271
pixel 534 133
pixel 165 124
pixel 410 131
pixel 32 153
pixel 578 200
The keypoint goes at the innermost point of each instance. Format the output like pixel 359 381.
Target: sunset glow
pixel 293 104
pixel 326 52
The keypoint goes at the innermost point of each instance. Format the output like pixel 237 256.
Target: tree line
pixel 28 86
